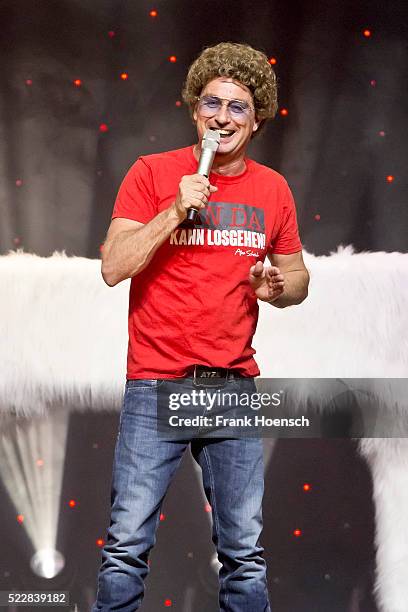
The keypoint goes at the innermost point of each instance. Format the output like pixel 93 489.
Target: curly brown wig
pixel 240 62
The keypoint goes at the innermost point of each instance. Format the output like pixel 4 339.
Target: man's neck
pixel 223 165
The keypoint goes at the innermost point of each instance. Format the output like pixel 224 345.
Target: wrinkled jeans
pixel 144 465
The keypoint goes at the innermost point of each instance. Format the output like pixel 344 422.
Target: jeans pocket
pixel 143 383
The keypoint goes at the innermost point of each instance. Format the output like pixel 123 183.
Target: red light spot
pixel 19 182
pixel 390 178
pixel 153 13
pixel 40 462
pixel 373 82
pixel 367 33
pixel 173 59
pixel 382 133
pixel 178 102
pixel 272 60
pixel 29 82
pixel 124 76
pixel 284 112
pixel 72 503
pixel 297 533
pixel 111 33
pixel 306 487
pixel 100 542
pixel 100 250
pixel 16 240
pixel 103 127
pixel 207 508
pixel 78 82
pixel 20 518
pixel 162 516
pixel 167 603
pixel 317 217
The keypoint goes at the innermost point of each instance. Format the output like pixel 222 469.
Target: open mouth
pixel 226 133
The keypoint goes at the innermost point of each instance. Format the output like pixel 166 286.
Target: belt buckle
pixel 207 377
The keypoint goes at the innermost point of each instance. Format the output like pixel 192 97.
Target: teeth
pixel 226 132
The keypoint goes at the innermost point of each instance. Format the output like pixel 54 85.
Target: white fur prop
pixel 353 324
pixel 63 339
pixel 63 334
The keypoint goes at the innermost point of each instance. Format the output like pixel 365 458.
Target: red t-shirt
pixel 193 303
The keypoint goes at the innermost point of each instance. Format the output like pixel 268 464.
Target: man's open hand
pixel 267 282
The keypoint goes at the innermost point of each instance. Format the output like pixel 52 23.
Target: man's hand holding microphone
pixel 195 190
pixel 193 193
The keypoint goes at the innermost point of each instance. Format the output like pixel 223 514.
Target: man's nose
pixel 222 117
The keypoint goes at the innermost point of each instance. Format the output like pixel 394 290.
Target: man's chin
pixel 227 147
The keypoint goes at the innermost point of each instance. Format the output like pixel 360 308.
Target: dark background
pixel 344 134
pixel 340 88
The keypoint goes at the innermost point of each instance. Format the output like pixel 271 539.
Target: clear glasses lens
pixel 210 105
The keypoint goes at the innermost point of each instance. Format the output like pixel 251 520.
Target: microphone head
pixel 211 140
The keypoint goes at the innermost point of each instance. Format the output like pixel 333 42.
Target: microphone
pixel 209 146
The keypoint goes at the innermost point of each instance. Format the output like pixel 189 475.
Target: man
pixel 192 314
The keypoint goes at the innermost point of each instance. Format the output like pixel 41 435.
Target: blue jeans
pixel 144 465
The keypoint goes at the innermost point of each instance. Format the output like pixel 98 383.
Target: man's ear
pixel 256 125
pixel 195 114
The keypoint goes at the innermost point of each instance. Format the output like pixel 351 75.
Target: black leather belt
pixel 208 376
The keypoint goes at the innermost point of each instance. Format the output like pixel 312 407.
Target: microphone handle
pixel 204 167
pixel 192 215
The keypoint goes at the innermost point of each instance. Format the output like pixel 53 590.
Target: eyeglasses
pixel 211 105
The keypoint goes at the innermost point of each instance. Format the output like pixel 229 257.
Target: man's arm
pixel 130 246
pixel 285 283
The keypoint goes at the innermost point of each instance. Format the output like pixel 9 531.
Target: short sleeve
pixel 287 239
pixel 135 199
